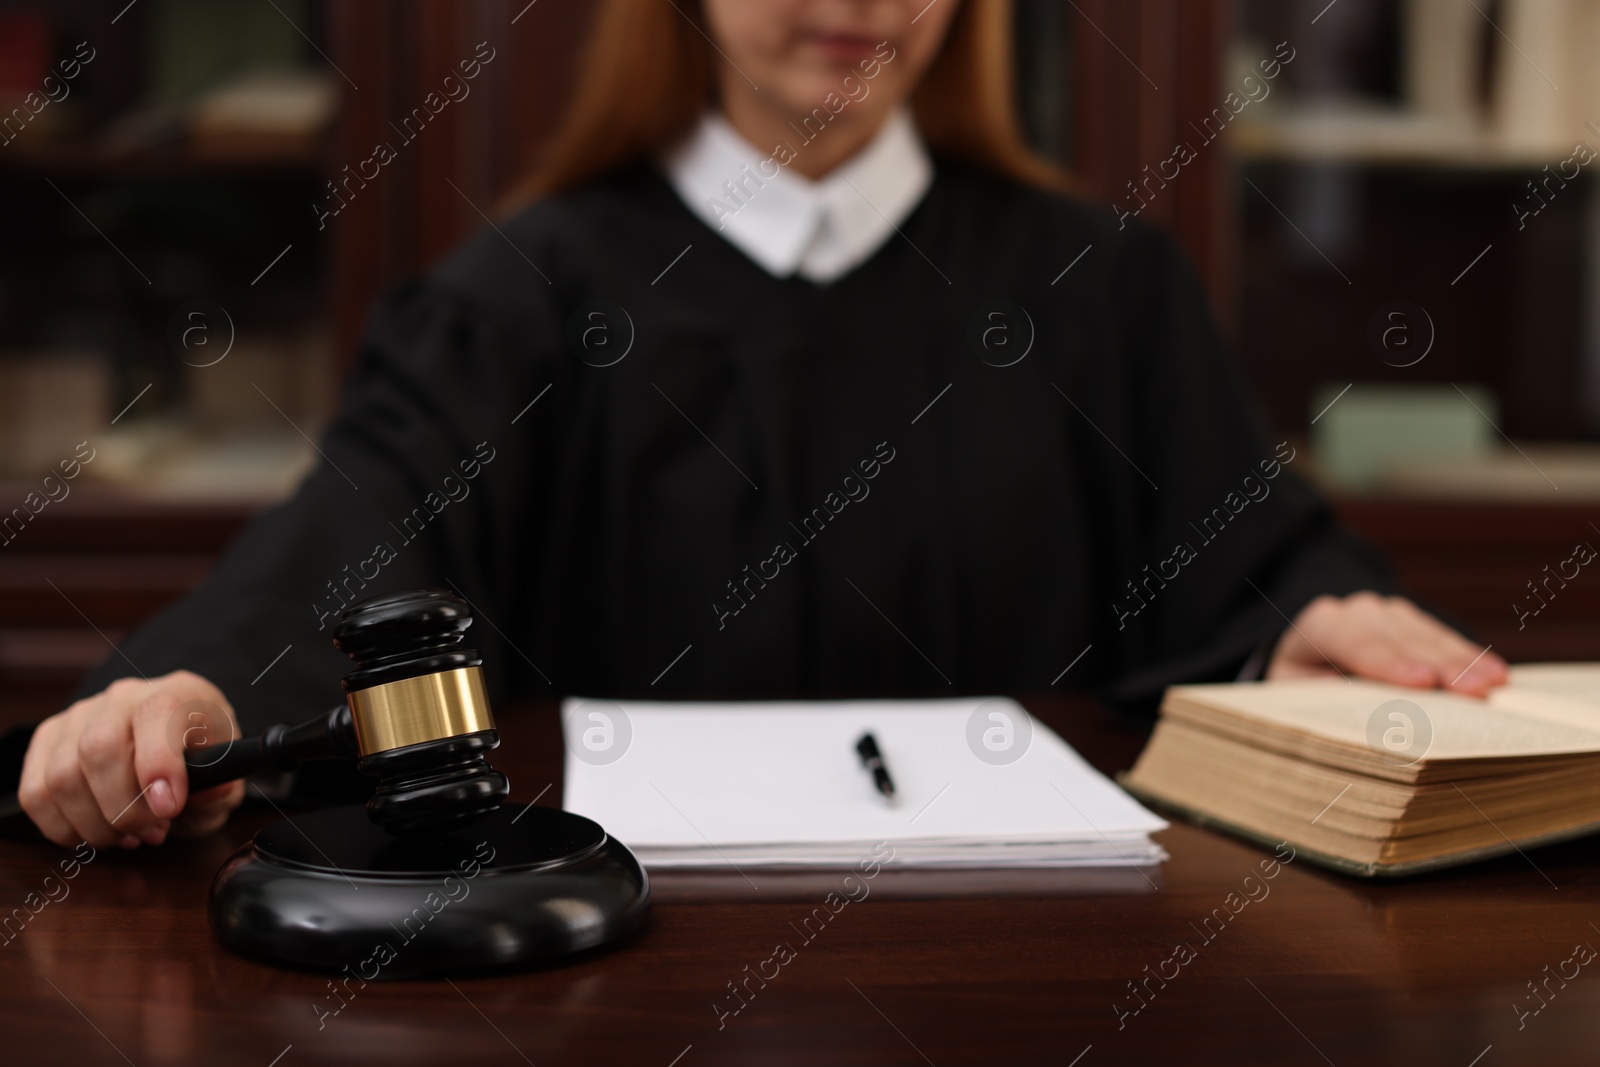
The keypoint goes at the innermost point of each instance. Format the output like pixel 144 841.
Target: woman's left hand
pixel 1386 639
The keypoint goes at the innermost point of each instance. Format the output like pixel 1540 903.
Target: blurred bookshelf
pixel 155 158
pixel 1419 287
pixel 1420 151
pixel 166 324
pixel 177 292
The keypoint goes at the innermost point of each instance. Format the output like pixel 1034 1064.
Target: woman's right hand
pixel 109 770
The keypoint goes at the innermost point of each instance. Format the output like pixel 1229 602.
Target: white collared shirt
pixel 784 221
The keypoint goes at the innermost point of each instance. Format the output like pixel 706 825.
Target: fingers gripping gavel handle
pixel 281 748
pixel 328 736
pixel 217 764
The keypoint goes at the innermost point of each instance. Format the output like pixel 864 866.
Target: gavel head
pixel 419 710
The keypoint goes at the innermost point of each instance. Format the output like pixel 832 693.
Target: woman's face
pixel 854 59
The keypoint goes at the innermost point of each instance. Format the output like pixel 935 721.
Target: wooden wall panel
pixel 1474 562
pixel 467 157
pixel 363 248
pixel 1145 69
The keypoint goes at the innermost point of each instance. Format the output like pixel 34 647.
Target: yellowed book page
pixel 1267 796
pixel 1191 779
pixel 1564 693
pixel 1269 780
pixel 1360 714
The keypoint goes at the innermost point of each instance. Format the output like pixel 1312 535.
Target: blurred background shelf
pixel 1374 134
pixel 87 569
pixel 302 161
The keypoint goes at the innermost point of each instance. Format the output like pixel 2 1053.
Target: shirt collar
pixel 787 223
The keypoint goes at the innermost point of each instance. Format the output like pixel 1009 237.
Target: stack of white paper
pixel 780 784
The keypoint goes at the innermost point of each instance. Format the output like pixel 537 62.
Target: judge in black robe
pixel 953 470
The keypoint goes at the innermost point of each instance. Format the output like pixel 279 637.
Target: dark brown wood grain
pixel 1143 72
pixel 447 177
pixel 1473 561
pixel 1322 969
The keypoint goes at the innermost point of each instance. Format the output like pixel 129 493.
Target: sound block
pixel 523 885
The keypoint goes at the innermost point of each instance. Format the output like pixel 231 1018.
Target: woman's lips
pixel 843 47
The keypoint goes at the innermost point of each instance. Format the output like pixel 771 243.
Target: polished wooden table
pixel 1322 969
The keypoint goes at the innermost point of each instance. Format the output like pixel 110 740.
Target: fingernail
pixel 129 841
pixel 161 799
pixel 153 835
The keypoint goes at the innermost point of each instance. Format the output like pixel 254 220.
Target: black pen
pixel 872 760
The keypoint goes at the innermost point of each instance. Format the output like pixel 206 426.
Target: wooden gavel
pixel 416 717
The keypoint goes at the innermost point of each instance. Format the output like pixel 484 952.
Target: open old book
pixel 1381 780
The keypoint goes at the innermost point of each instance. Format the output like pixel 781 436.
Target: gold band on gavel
pixel 426 708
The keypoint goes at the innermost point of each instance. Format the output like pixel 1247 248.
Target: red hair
pixel 647 77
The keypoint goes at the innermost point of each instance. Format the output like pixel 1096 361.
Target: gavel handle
pixel 279 748
pixel 225 763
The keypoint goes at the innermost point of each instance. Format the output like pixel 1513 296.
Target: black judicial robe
pixel 784 488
